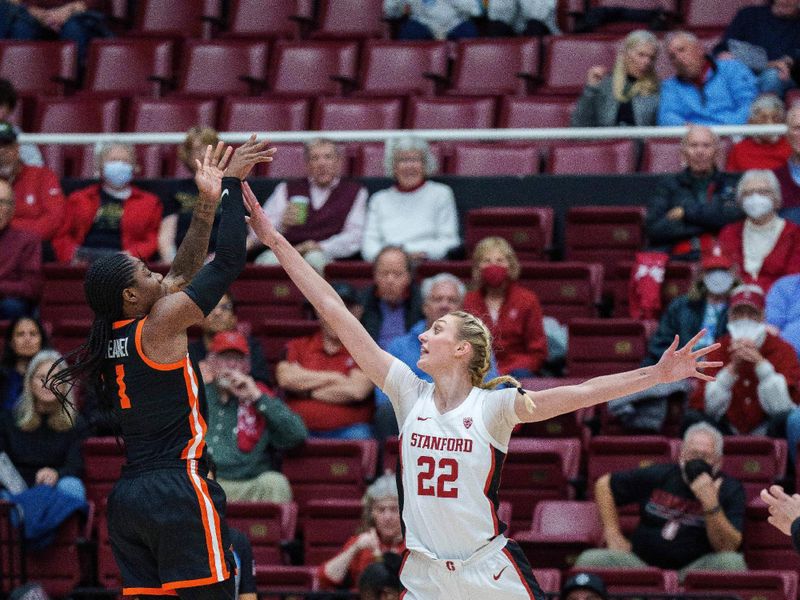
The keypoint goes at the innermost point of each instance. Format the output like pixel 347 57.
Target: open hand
pixel 248 155
pixel 46 476
pixel 676 364
pixel 208 175
pixel 258 220
pixel 595 75
pixel 783 508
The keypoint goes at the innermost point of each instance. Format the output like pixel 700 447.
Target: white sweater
pixel 424 220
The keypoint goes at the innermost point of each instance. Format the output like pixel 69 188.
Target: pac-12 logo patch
pixel 467 422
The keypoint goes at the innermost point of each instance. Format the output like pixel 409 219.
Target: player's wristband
pixel 712 511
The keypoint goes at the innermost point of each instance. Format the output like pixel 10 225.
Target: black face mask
pixel 696 467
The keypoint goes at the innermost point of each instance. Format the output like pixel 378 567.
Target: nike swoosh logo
pixel 422 418
pixel 496 577
pixel 224 193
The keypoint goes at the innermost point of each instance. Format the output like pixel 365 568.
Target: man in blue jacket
pixel 704 91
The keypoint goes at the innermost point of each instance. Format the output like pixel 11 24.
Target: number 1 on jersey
pixel 448 474
pixel 124 401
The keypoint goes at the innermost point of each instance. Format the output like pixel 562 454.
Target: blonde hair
pixel 207 136
pixel 648 84
pixel 474 331
pixel 485 246
pixel 383 487
pixel 26 416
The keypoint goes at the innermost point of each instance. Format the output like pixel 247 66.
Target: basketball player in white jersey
pixel 454 435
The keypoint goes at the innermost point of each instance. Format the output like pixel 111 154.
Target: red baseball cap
pixel 229 340
pixel 752 295
pixel 716 259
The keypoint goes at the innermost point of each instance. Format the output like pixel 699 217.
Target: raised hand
pixel 248 155
pixel 676 364
pixel 258 220
pixel 208 175
pixel 783 508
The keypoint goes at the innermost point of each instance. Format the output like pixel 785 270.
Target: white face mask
pixel 757 206
pixel 748 329
pixel 718 281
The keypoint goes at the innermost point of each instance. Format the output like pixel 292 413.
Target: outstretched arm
pixel 370 358
pixel 675 364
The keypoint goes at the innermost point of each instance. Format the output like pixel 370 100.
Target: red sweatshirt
pixel 38 202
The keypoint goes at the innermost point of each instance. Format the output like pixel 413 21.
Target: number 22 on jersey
pixel 444 474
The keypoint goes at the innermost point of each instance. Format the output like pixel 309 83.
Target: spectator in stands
pixel 764 246
pixel 689 208
pixel 415 214
pixel 223 318
pixel 246 422
pixel 111 215
pixel 704 306
pixel 392 305
pixel 704 91
pixel 434 19
pixel 629 95
pixel 25 337
pixel 506 18
pixel 789 174
pixel 29 154
pixel 77 21
pixel 691 514
pixel 178 207
pixel 324 385
pixel 381 580
pixel 379 532
pixel 584 586
pixel 441 294
pixel 766 39
pixel 322 215
pixel 511 312
pixel 760 383
pixel 20 262
pixel 43 440
pixel 783 309
pixel 761 151
pixel 38 199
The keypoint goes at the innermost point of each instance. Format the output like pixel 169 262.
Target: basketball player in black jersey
pixel 165 518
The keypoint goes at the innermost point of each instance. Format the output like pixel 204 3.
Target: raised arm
pixel 675 364
pixel 370 358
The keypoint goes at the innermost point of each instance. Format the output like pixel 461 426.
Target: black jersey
pixel 161 407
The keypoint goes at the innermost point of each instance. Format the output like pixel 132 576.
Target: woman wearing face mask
pixel 765 247
pixel 511 312
pixel 760 383
pixel 761 151
pixel 109 216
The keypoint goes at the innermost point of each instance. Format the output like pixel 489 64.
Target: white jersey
pixel 450 465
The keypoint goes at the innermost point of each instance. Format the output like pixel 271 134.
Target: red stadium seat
pixel 528 229
pixel 358 113
pixel 223 67
pixel 792 97
pixel 38 67
pixel 349 19
pixel 450 113
pixel 609 454
pixel 62 295
pixel 560 531
pixel 357 273
pixel 327 525
pixel 747 585
pixel 678 278
pixel 664 156
pixel 369 160
pixel 604 346
pixel 567 425
pixel 12 543
pixel 566 290
pixel 266 525
pixel 669 7
pixel 330 468
pixel 716 16
pixel 274 334
pixel 103 458
pixel 537 470
pixel 390 68
pixel 548 579
pixel 288 163
pixel 764 546
pixel 266 292
pixel 278 582
pixel 495 66
pixel 567 58
pixel 264 114
pixel 606 234
pixel 535 111
pixel 143 59
pixel 247 18
pixel 69 334
pixel 74 115
pixel 756 461
pixel 491 159
pixel 592 158
pixel 311 68
pixel 634 580
pixel 180 18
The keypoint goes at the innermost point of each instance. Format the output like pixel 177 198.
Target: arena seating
pixel 267 525
pixel 495 67
pixel 605 234
pixel 390 68
pixel 748 585
pixel 603 346
pixel 275 578
pixel 529 230
pixel 148 62
pixel 240 67
pixel 327 525
pixel 635 580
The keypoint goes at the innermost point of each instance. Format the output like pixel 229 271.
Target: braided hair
pixel 474 331
pixel 105 280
